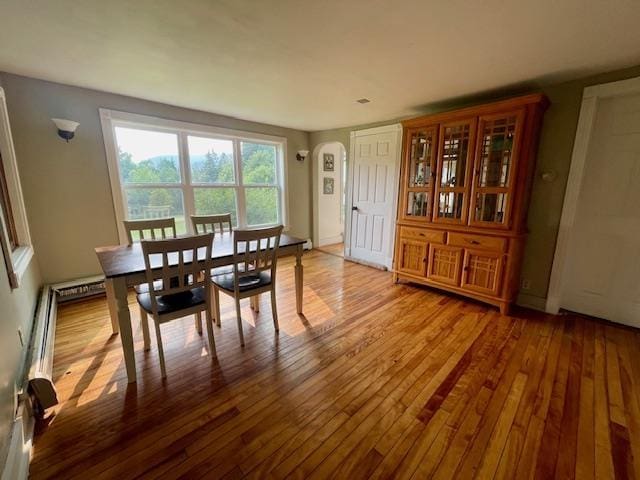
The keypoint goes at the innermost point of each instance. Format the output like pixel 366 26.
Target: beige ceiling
pixel 303 63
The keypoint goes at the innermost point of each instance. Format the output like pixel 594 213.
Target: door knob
pixel 354 208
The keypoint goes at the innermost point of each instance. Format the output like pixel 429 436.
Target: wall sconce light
pixel 66 128
pixel 301 155
pixel 549 176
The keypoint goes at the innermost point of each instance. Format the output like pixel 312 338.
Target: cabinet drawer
pixel 430 236
pixel 495 244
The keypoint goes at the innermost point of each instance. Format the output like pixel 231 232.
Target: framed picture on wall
pixel 328 162
pixel 327 186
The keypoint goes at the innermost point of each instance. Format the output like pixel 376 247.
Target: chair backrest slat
pixel 182 264
pixel 255 251
pixel 152 229
pixel 211 223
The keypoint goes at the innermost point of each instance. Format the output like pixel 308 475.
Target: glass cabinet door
pixel 421 145
pixel 454 163
pixel 496 156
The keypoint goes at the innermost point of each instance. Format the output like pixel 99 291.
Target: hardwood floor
pixel 376 380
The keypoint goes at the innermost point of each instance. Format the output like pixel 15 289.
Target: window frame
pixel 110 119
pixel 7 209
pixel 18 257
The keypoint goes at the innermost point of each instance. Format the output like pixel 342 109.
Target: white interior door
pixel 374 164
pixel 602 276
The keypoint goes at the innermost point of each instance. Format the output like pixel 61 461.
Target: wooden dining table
pixel 124 267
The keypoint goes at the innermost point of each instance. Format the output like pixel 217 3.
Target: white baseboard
pixel 308 245
pixel 20 445
pixel 532 301
pixel 329 240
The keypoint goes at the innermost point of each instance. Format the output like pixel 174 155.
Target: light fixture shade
pixel 303 153
pixel 65 125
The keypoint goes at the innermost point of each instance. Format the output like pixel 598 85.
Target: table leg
pixel 298 273
pixel 113 308
pixel 119 286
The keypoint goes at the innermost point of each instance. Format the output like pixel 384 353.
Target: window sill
pixel 21 258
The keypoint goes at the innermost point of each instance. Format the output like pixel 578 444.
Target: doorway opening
pixel 329 179
pixel 597 259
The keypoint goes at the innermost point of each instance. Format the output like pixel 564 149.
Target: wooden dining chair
pixel 217 224
pixel 150 229
pixel 182 266
pixel 255 255
pixel 212 223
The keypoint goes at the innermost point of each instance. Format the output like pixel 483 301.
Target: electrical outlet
pixel 21 337
pixel 526 284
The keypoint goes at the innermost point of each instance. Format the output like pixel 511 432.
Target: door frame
pixel 394 128
pixel 590 101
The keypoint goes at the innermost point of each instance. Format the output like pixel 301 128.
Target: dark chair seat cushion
pixel 248 282
pixel 173 303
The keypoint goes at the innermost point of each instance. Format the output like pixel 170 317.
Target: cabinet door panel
pixel 413 256
pixel 454 168
pixel 444 264
pixel 495 169
pixel 482 271
pixel 420 166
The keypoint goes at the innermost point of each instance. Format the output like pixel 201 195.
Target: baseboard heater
pixel 38 391
pixel 40 379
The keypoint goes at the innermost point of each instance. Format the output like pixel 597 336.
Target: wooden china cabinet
pixel 465 183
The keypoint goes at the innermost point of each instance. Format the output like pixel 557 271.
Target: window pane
pixel 211 160
pixel 145 203
pixel 147 157
pixel 418 204
pixel 262 205
pixel 258 164
pixel 491 207
pixel 211 201
pixel 422 153
pixel 454 155
pixel 496 152
pixel 450 205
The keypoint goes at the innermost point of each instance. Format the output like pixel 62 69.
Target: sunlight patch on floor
pixel 316 313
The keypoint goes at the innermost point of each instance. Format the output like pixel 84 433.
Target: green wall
pixel 556 145
pixel 17 307
pixel 66 185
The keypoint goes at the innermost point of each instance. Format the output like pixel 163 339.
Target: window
pixel 14 230
pixel 161 168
